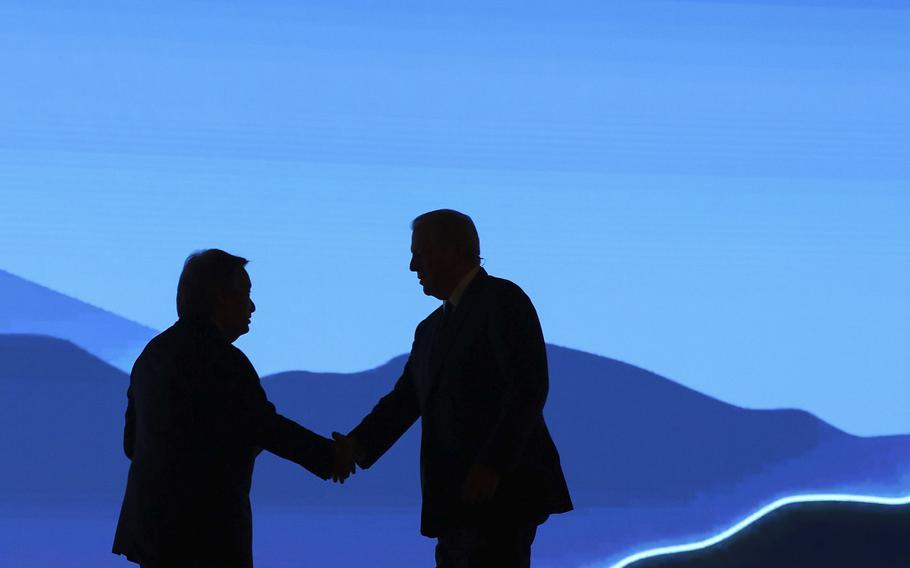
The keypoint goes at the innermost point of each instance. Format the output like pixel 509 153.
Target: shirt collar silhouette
pixel 456 295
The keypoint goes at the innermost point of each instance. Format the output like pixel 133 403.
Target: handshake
pixel 345 454
pixel 479 486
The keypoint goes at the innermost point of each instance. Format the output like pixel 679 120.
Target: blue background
pixel 716 191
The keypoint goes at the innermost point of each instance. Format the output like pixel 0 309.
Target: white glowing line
pixel 667 550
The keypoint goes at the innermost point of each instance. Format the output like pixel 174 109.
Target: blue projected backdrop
pixel 706 200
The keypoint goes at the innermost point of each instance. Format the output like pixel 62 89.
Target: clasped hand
pixel 479 486
pixel 343 450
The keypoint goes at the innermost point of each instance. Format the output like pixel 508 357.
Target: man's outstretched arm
pixel 278 434
pixel 291 441
pixel 386 423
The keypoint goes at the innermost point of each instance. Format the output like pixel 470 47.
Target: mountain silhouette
pixel 630 440
pixel 828 534
pixel 627 437
pixel 62 419
pixel 30 308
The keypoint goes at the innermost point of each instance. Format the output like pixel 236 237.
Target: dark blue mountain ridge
pixel 627 437
pixel 34 309
pixel 61 414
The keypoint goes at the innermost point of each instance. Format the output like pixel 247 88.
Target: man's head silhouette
pixel 215 287
pixel 444 247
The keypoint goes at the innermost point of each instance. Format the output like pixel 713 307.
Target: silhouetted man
pixel 477 379
pixel 195 421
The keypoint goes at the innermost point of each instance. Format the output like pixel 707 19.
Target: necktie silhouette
pixel 448 309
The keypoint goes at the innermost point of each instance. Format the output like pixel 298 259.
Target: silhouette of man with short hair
pixel 196 419
pixel 477 379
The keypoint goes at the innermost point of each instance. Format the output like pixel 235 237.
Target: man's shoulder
pixel 183 342
pixel 163 343
pixel 175 338
pixel 186 348
pixel 437 313
pixel 500 284
pixel 503 290
pixel 489 289
pixel 158 355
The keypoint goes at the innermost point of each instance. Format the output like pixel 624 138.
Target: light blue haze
pixel 715 191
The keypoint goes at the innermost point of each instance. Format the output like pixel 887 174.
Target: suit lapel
pixel 446 336
pixel 428 350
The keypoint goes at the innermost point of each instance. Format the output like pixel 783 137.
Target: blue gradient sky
pixel 716 191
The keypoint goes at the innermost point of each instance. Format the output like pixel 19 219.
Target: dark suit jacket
pixel 196 419
pixel 478 381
